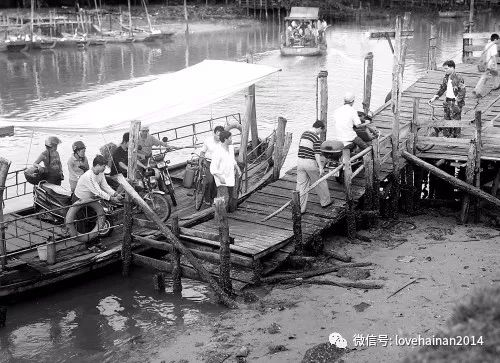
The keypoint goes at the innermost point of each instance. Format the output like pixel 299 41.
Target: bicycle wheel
pixel 171 192
pixel 199 193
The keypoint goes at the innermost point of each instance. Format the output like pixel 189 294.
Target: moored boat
pixel 30 235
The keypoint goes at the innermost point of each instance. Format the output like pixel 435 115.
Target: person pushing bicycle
pixel 210 145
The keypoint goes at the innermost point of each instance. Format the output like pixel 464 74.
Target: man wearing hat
pixel 146 143
pixel 345 118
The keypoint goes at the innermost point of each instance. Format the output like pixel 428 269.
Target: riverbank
pixel 446 261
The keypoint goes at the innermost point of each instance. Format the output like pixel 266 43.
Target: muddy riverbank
pixel 447 261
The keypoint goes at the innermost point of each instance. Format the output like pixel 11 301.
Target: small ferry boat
pixel 30 233
pixel 453 13
pixel 304 33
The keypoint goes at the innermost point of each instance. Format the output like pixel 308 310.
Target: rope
pixel 29 149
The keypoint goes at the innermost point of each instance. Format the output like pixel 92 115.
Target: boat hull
pixel 303 51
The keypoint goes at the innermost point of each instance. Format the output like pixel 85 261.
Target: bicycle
pixel 199 180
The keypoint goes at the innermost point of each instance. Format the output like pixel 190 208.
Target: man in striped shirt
pixel 310 167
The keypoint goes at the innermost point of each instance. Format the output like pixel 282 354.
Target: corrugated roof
pixel 298 12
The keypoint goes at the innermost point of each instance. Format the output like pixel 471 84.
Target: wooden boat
pixel 453 14
pixel 17 45
pixel 28 231
pixel 295 39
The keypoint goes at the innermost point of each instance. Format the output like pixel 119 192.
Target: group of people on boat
pixel 305 33
pixel 86 182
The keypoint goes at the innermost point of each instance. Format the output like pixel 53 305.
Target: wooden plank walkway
pixel 258 239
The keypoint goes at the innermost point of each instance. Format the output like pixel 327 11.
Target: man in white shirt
pixel 223 168
pixel 210 145
pixel 490 54
pixel 92 184
pixel 345 118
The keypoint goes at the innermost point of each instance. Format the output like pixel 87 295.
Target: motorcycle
pixel 158 163
pixel 148 187
pixel 94 219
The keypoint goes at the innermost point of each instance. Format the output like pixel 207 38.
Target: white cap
pixel 349 97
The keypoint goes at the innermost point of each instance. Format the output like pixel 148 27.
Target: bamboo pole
pixel 225 251
pixel 253 111
pixel 451 179
pixel 323 101
pixel 131 33
pixel 297 223
pixel 127 217
pixel 4 170
pixel 185 17
pixel 351 218
pixel 432 48
pixel 367 91
pixel 278 147
pixel 205 276
pixel 176 259
pixel 147 16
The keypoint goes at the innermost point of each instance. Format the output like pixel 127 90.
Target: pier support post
pixel 176 259
pixel 323 101
pixel 3 316
pixel 159 282
pixel 297 223
pixel 127 217
pixel 278 147
pixel 197 265
pixel 432 65
pixel 367 91
pixel 368 198
pixel 4 170
pixel 397 82
pixel 376 174
pixel 350 217
pixel 409 169
pixel 225 251
pixel 479 144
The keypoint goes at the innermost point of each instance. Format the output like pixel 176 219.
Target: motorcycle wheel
pixel 199 193
pixel 159 204
pixel 171 192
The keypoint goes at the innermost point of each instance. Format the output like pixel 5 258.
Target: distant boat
pixel 296 42
pixel 453 14
pixel 17 45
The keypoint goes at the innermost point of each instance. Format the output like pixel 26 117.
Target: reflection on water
pixel 94 319
pixel 91 320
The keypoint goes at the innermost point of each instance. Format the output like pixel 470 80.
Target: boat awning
pixel 304 13
pixel 168 96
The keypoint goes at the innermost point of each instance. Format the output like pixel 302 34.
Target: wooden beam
pixel 4 170
pixel 432 65
pixel 225 251
pixel 224 298
pixel 451 179
pixel 323 101
pixel 367 90
pixel 278 147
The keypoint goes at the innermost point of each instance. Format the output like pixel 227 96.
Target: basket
pixel 34 176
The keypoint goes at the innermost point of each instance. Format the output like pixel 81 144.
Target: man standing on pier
pixel 223 168
pixel 453 86
pixel 310 167
pixel 490 54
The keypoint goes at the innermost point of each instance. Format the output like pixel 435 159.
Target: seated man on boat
pixel 52 167
pixel 77 164
pixel 92 184
pixel 210 146
pixel 345 120
pixel 146 143
pixel 223 168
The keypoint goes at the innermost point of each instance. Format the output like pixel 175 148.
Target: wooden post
pixel 51 252
pixel 4 170
pixel 432 48
pixel 253 111
pixel 131 32
pixel 225 251
pixel 297 223
pixel 477 171
pixel 176 259
pixel 351 218
pixel 278 147
pixel 376 174
pixel 397 82
pixel 127 217
pixel 204 274
pixel 367 91
pixel 409 169
pixel 247 121
pixel 159 282
pixel 323 102
pixel 368 197
pixel 3 316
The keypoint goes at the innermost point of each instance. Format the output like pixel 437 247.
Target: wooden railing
pixel 16 185
pixel 473 44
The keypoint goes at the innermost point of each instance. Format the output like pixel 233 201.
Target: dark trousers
pixel 358 141
pixel 211 191
pixel 227 193
pixel 452 111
